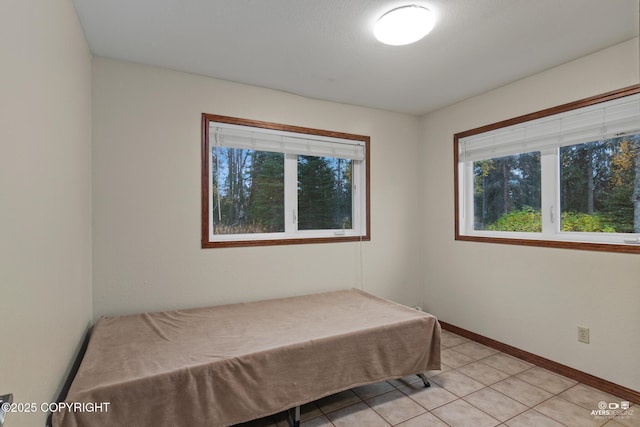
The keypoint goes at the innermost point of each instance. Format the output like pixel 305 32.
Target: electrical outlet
pixel 583 335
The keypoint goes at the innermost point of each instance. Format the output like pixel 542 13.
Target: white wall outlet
pixel 583 335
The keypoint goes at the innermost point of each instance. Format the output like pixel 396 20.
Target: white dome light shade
pixel 404 25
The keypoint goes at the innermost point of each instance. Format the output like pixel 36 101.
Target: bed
pixel 223 365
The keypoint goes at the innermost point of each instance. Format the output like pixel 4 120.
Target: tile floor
pixel 477 387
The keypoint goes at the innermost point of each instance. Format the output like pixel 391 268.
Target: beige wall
pixel 146 164
pixel 45 193
pixel 532 298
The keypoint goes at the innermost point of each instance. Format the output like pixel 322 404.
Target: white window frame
pixel 292 141
pixel 545 132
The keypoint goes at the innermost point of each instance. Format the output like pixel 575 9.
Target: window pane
pixel 248 191
pixel 600 186
pixel 324 193
pixel 507 193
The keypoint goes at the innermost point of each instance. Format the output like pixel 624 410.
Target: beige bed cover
pixel 223 365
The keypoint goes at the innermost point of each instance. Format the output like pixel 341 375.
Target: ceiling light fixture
pixel 404 25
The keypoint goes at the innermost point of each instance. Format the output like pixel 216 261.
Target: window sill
pixel 631 248
pixel 281 241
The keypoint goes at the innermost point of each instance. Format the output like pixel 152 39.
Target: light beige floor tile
pixel 630 418
pixel 568 413
pixel 521 391
pixel 449 339
pixel 413 379
pixel 475 350
pixel 495 404
pixel 506 363
pixel 367 391
pixel 320 421
pixel 546 380
pixel 431 397
pixel 395 407
pixel 461 414
pixel 424 420
pixel 532 418
pixel 443 368
pixel 457 383
pixel 337 401
pixel 482 372
pixel 613 423
pixel 587 397
pixel 357 415
pixel 454 359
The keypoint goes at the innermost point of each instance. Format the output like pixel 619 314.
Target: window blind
pixel 597 122
pixel 250 138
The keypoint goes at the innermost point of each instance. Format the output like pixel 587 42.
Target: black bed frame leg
pixel 424 380
pixel 294 421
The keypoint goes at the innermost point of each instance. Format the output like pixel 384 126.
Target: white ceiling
pixel 325 49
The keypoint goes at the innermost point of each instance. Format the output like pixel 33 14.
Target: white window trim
pixel 550 173
pixel 291 141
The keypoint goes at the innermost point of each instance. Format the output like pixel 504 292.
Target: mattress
pixel 222 365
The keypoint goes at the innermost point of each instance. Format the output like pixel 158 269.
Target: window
pixel 567 177
pixel 268 184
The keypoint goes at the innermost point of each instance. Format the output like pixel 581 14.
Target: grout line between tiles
pixel 376 412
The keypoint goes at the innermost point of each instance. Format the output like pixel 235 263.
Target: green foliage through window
pixel 250 187
pixel 529 220
pixel 566 177
pixel 267 183
pixel 248 191
pixel 599 189
pixel 601 177
pixel 324 193
pixel 505 184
